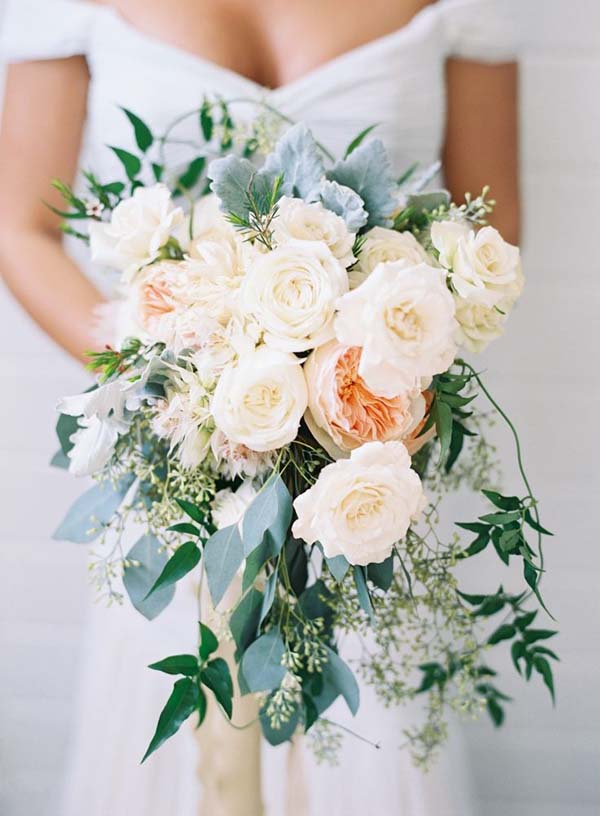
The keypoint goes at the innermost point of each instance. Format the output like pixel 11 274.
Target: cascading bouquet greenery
pixel 286 390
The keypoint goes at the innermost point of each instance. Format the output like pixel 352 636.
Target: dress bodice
pixel 396 80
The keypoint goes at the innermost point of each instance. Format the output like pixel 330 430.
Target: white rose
pixel 383 245
pixel 297 220
pixel 360 507
pixel 139 227
pixel 228 507
pixel 484 267
pixel 479 324
pixel 403 318
pixel 260 401
pixel 291 292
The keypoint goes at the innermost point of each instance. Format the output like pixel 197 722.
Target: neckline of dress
pixel 421 18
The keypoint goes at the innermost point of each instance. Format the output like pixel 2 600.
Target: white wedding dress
pixel 397 81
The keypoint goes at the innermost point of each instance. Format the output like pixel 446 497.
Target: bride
pixel 438 79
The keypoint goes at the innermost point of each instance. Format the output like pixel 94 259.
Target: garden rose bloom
pixel 479 324
pixel 403 319
pixel 484 268
pixel 211 232
pixel 343 413
pixel 260 401
pixel 291 292
pixel 382 245
pixel 297 220
pixel 228 506
pixel 360 507
pixel 178 302
pixel 139 227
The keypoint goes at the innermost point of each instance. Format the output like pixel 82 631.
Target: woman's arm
pixel 44 113
pixel 482 138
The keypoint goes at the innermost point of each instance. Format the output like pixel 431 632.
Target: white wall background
pixel 544 761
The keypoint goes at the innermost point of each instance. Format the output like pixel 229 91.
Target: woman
pixel 340 67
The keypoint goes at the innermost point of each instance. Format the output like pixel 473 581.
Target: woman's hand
pixel 482 138
pixel 44 113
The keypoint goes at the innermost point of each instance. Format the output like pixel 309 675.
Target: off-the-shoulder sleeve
pixel 483 30
pixel 45 29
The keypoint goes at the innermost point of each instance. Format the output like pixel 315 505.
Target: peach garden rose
pixel 343 413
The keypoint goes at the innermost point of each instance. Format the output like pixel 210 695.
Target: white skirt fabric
pixel 119 705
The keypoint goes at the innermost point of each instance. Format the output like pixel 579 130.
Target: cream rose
pixel 484 268
pixel 291 292
pixel 260 401
pixel 207 225
pixel 403 319
pixel 478 324
pixel 297 220
pixel 228 507
pixel 360 507
pixel 139 227
pixel 343 413
pixel 382 245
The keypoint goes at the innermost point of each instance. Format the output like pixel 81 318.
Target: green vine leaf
pixel 183 560
pixel 143 135
pixel 217 678
pixel 180 705
pixel 177 664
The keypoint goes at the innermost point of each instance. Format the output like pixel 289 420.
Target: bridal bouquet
pixel 283 411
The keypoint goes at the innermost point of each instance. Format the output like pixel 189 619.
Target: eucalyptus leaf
pixel 364 597
pixel 382 574
pixel 337 674
pixel 258 558
pixel 262 665
pixel 338 566
pixel 92 511
pixel 287 729
pixel 223 555
pixel 180 705
pixel 269 595
pixel 149 561
pixel 245 620
pixel 270 511
pixel 60 460
pixel 367 171
pixel 296 564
